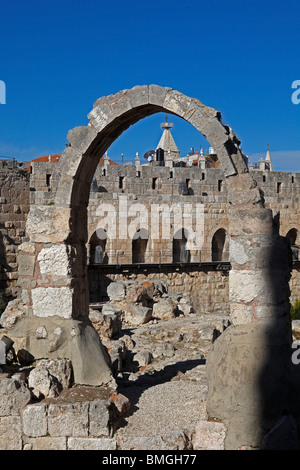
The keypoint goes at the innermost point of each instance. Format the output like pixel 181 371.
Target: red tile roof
pixel 55 158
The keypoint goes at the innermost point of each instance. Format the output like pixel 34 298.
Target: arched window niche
pixel 220 246
pixel 139 246
pixel 97 248
pixel 180 252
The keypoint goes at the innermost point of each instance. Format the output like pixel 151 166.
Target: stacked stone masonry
pixel 14 207
pixel 38 184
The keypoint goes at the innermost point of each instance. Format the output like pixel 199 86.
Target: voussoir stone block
pixel 157 94
pixel 177 103
pixel 139 95
pixel 81 137
pixel 100 115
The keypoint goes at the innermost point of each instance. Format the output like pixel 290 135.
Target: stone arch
pixel 58 233
pixel 219 245
pixel 113 114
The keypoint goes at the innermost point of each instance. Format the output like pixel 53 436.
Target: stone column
pixel 51 317
pixel 252 381
pixel 259 289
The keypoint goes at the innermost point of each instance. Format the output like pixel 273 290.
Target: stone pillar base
pixel 53 337
pixel 252 382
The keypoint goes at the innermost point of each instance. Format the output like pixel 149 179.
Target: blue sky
pixel 58 57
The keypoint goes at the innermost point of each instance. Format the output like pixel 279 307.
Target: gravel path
pixel 169 396
pixel 164 408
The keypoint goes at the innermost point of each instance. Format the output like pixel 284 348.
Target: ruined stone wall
pixel 145 185
pixel 207 288
pixel 281 192
pixel 14 207
pixel 44 177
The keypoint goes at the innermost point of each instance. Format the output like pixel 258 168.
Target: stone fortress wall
pixel 201 278
pixel 14 207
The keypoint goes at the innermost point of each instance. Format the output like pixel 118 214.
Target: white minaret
pixel 268 160
pixel 167 142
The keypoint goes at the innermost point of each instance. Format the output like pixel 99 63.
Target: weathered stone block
pixel 35 420
pixel 26 264
pixel 165 309
pixel 107 323
pixel 55 260
pixel 137 315
pixel 99 418
pixel 209 436
pixel 43 384
pixel 116 291
pixel 48 224
pixel 157 94
pixel 91 443
pixel 46 443
pixel 68 419
pixel 81 137
pixel 14 395
pixel 50 301
pixel 59 368
pixel 10 433
pixel 177 440
pixel 139 95
pixel 246 286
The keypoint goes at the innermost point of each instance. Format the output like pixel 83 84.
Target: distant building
pixel 264 164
